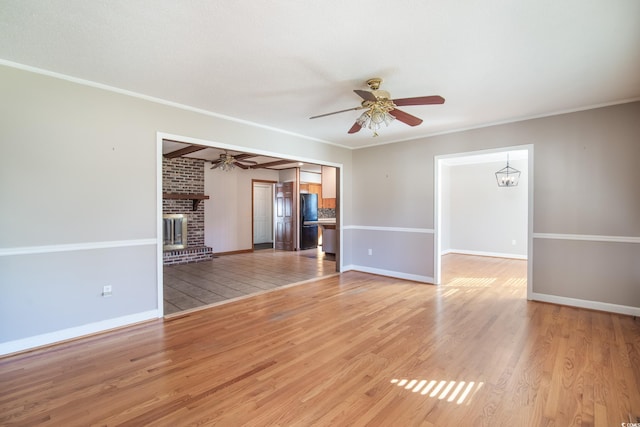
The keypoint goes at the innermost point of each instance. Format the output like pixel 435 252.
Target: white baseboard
pixel 483 253
pixel 593 305
pixel 75 332
pixel 389 273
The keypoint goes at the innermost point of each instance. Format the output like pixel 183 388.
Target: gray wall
pixel 585 189
pixel 78 203
pixel 392 210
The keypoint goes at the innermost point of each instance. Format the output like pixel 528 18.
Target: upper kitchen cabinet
pixel 329 187
pixel 328 182
pixel 324 203
pixel 317 189
pixel 310 177
pixel 323 184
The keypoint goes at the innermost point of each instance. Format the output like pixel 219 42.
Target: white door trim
pixel 437 243
pixel 269 207
pixel 163 135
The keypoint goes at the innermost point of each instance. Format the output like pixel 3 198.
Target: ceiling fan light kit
pixel 376 116
pixel 381 109
pixel 227 162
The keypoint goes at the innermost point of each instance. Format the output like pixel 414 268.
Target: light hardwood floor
pixel 353 349
pixel 189 286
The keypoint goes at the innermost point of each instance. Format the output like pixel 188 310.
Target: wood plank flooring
pixel 352 349
pixel 189 286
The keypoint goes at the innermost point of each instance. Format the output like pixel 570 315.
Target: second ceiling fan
pixel 381 109
pixel 227 162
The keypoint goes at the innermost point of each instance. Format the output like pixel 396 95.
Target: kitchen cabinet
pixel 328 182
pixel 317 189
pixel 329 203
pixel 325 189
pixel 328 228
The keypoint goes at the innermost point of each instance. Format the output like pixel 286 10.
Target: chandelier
pixel 508 176
pixel 377 115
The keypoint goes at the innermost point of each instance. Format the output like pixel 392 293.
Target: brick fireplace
pixel 182 182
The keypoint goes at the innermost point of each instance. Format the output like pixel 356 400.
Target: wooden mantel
pixel 196 198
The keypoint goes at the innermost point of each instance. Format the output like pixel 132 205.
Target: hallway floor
pixel 190 286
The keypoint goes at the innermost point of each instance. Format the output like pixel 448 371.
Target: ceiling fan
pixel 227 162
pixel 381 109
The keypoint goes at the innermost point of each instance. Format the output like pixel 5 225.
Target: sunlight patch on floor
pixel 451 391
pixel 515 282
pixel 471 282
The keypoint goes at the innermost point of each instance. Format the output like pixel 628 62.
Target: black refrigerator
pixel 308 212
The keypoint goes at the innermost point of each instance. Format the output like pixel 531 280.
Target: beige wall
pixel 228 213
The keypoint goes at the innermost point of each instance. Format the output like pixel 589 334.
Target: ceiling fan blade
pixel 241 157
pixel 405 117
pixel 366 95
pixel 241 166
pixel 355 128
pixel 215 164
pixel 419 100
pixel 336 112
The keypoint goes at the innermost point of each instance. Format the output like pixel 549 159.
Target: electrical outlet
pixel 513 242
pixel 107 291
pixel 370 251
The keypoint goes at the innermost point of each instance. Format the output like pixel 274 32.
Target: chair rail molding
pixel 587 237
pixel 68 247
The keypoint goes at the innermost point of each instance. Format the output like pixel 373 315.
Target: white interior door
pixel 262 213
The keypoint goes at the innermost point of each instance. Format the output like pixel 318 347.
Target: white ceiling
pixel 276 63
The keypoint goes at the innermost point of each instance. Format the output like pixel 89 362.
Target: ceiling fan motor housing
pixel 374 83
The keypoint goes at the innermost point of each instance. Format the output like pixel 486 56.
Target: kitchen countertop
pixel 328 233
pixel 324 222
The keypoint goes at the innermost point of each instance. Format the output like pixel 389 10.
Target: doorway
pixel 228 191
pixel 262 199
pixel 442 209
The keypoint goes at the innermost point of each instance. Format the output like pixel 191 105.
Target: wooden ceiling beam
pixel 183 151
pixel 192 148
pixel 276 163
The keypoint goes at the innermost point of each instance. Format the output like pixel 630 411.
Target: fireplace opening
pixel 174 231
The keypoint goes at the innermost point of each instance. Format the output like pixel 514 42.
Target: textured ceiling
pixel 276 63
